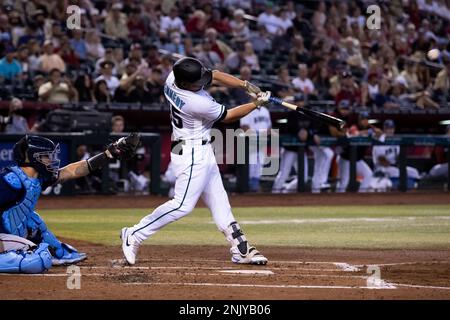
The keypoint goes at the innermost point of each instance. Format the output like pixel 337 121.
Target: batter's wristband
pixel 97 161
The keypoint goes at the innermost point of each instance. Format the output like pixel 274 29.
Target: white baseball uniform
pixel 196 171
pixel 259 121
pixel 390 152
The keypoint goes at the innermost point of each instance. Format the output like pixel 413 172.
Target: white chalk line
pixel 419 286
pixel 332 220
pixel 276 286
pixel 301 262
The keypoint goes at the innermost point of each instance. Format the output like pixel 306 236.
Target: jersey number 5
pixel 176 117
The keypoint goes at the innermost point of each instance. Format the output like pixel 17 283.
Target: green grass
pixel 399 226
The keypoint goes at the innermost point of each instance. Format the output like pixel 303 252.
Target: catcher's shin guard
pixel 240 250
pixel 35 260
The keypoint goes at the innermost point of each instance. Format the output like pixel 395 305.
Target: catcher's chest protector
pixel 15 219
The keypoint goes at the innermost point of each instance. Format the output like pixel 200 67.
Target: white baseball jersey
pixel 389 152
pixel 193 113
pixel 258 120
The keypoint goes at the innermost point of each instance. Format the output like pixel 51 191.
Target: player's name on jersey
pixel 173 97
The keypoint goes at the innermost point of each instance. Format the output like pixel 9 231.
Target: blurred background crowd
pixel 124 50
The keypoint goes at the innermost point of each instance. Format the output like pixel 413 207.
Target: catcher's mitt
pixel 125 148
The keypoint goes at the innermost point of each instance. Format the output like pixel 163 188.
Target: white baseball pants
pixel 288 159
pixel 197 174
pixel 362 169
pixel 322 163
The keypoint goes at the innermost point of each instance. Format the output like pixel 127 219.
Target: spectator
pixel 153 58
pixel 116 22
pixel 218 46
pixel 197 23
pixel 57 90
pixel 319 17
pixel 109 56
pixel 239 27
pixel 349 90
pixel 38 81
pixel 94 47
pixel 49 60
pixel 442 83
pixel 410 75
pixel 78 44
pixel 270 21
pixel 172 22
pixel 101 92
pixel 283 87
pixel 298 54
pixel 84 86
pixel 165 66
pixel 117 124
pixel 302 82
pixel 136 26
pixel 17 124
pixel 218 23
pixel 260 40
pixel 251 59
pixel 239 95
pixel 207 56
pixel 22 58
pixel 107 75
pixel 135 53
pixel 175 45
pixel 68 55
pixel 10 68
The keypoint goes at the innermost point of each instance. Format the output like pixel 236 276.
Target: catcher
pixel 26 244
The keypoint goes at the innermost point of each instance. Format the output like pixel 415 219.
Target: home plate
pixel 264 272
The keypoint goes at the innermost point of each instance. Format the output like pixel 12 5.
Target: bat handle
pixel 276 100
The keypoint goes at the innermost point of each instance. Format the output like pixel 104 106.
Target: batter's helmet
pixel 39 153
pixel 191 71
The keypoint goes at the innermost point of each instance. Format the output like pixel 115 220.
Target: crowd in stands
pixel 124 50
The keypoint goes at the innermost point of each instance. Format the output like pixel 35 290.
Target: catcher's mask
pixel 40 154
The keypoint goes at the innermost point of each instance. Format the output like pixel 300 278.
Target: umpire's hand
pixel 124 148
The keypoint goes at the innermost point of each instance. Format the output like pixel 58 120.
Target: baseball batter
pixel 193 113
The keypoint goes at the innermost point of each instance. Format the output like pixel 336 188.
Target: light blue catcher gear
pixel 22 221
pixel 22 261
pixel 62 252
pixel 15 218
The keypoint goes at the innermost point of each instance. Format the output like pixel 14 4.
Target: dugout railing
pixel 69 143
pixel 404 141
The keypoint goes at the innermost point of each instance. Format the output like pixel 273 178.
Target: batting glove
pixel 251 89
pixel 262 98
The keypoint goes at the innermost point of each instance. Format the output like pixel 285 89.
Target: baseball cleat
pixel 129 246
pixel 67 255
pixel 252 257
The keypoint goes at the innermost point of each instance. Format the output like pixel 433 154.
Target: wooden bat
pixel 314 115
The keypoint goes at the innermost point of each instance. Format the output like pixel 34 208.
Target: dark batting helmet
pixel 39 153
pixel 191 71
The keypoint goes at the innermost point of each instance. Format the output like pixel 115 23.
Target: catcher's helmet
pixel 39 153
pixel 191 71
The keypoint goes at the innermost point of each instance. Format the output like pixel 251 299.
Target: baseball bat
pixel 314 115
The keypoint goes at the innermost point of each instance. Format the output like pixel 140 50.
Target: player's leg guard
pixel 36 260
pixel 63 253
pixel 240 250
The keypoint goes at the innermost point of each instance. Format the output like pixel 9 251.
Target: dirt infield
pixel 205 272
pixel 187 272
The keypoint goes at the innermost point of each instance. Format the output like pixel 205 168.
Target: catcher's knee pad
pixel 37 260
